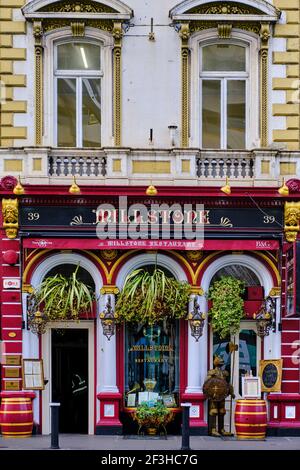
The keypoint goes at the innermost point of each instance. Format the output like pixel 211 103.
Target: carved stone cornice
pixel 291 220
pixel 10 213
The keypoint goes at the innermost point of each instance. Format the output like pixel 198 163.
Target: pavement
pixel 129 443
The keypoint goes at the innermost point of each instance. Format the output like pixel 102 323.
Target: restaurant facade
pixel 150 136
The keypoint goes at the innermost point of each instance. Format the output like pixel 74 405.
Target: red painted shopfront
pixel 48 230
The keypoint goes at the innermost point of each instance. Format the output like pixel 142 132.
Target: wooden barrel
pixel 250 419
pixel 16 416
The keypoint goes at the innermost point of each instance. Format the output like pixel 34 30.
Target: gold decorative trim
pixel 108 289
pixel 184 33
pixel 78 29
pixel 27 288
pixel 117 55
pixel 197 290
pixel 109 255
pixel 224 9
pixel 291 220
pixel 275 292
pixel 77 7
pixel 50 24
pixel 224 31
pixel 38 85
pixel 196 26
pixel 10 213
pixel 264 57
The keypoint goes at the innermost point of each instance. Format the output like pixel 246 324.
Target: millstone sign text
pixel 155 222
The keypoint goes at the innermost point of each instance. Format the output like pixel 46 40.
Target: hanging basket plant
pixel 227 308
pixel 151 297
pixel 64 298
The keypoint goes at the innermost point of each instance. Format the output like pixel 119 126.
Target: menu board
pixel 33 374
pixel 270 372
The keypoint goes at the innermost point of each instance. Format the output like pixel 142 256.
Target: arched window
pixel 224 76
pixel 77 90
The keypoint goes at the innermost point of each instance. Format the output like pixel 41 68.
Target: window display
pixel 152 364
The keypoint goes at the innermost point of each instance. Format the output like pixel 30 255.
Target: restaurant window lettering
pixel 152 364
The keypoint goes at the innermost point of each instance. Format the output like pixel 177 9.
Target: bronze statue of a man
pixel 216 388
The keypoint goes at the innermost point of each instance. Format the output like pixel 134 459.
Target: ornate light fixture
pixel 266 317
pixel 226 189
pixel 196 320
pixel 36 320
pixel 108 320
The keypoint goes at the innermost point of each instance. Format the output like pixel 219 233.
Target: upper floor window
pixel 77 75
pixel 224 76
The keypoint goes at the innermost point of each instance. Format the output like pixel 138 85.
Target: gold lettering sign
pixel 142 348
pixel 11 385
pixel 11 372
pixel 151 359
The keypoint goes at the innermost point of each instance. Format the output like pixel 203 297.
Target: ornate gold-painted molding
pixel 38 85
pixel 291 220
pixel 197 290
pixel 264 57
pixel 10 213
pixel 109 289
pixel 27 288
pixel 78 28
pixel 223 8
pixel 78 7
pixel 184 33
pixel 117 55
pixel 224 30
pixel 275 292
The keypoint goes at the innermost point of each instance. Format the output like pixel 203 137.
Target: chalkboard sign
pixel 270 372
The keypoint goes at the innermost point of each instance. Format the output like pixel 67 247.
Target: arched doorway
pixel 246 360
pixel 67 349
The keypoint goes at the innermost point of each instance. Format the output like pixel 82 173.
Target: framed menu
pixel 33 374
pixel 270 372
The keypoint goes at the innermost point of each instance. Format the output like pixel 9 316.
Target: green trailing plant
pixel 227 308
pixel 62 298
pixel 151 297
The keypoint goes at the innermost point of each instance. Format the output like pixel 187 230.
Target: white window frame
pixel 78 75
pixel 241 38
pixel 106 43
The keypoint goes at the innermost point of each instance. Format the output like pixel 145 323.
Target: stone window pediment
pixel 216 10
pixel 104 9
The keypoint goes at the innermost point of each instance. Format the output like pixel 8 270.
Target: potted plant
pixel 152 417
pixel 151 297
pixel 61 298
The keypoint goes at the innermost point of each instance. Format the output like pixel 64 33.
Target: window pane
pixel 247 355
pixel 91 112
pixel 211 114
pixel 236 101
pixel 223 57
pixel 152 358
pixel 78 56
pixel 66 112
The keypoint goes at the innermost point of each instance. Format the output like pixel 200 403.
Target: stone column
pixel 197 350
pixel 107 355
